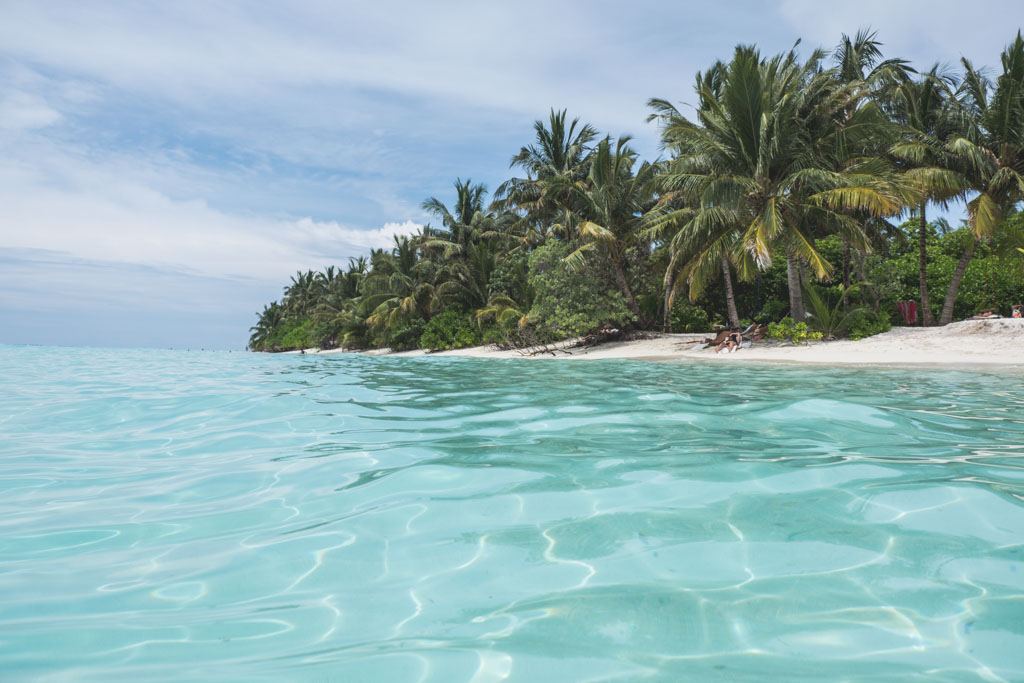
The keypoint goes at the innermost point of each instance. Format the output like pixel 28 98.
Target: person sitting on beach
pixel 986 314
pixel 718 339
pixel 731 342
pixel 1017 311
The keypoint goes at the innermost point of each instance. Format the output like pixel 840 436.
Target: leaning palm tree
pixel 706 260
pixel 268 321
pixel 778 152
pixel 990 152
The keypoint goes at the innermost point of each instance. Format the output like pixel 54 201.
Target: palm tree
pixel 990 152
pixel 396 288
pixel 674 211
pixel 269 319
pixel 859 60
pixel 923 108
pixel 706 261
pixel 466 223
pixel 301 294
pixel 609 207
pixel 465 281
pixel 776 153
pixel 558 158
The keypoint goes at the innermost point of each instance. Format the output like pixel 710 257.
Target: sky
pixel 165 167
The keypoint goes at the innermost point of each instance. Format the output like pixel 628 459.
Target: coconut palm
pixel 558 158
pixel 302 292
pixel 859 60
pixel 776 153
pixel 269 319
pixel 464 281
pixel 607 209
pixel 923 107
pixel 397 288
pixel 466 223
pixel 990 152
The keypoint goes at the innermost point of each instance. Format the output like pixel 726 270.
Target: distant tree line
pixel 797 188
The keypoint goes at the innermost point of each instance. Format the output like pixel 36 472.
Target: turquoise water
pixel 215 516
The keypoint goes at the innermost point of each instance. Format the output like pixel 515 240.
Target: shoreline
pixel 994 342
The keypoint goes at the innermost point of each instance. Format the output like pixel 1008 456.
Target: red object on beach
pixel 908 309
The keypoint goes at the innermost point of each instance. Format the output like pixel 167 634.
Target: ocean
pixel 172 515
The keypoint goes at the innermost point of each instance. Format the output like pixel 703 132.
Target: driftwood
pixel 601 336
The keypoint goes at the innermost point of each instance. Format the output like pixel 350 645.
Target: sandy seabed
pixel 970 342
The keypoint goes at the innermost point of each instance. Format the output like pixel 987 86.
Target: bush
pixel 407 335
pixel 449 330
pixel 509 278
pixel 570 303
pixel 296 335
pixel 789 330
pixel 867 323
pixel 495 332
pixel 689 318
pixel 994 278
pixel 772 309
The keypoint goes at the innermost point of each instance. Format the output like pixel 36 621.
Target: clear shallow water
pixel 171 515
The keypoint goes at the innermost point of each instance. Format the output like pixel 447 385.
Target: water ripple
pixel 169 515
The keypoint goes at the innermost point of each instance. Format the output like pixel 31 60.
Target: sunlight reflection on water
pixel 175 515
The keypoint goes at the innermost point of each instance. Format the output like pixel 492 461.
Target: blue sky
pixel 164 167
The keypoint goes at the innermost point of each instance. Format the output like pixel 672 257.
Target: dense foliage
pixel 797 193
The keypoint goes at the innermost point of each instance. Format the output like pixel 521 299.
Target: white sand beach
pixel 970 342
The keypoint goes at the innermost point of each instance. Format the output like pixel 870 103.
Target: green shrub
pixel 296 334
pixel 689 318
pixel 994 278
pixel 772 309
pixel 497 332
pixel 867 323
pixel 450 330
pixel 509 278
pixel 789 330
pixel 406 335
pixel 569 303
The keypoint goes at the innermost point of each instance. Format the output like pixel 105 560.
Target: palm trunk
pixel 623 282
pixel 922 267
pixel 730 298
pixel 670 282
pixel 796 295
pixel 846 270
pixel 946 316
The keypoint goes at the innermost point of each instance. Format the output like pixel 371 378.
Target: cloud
pixel 84 209
pixel 522 57
pixel 25 111
pixel 198 153
pixel 924 31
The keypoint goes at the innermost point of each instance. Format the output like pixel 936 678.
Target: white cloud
pixel 25 111
pixel 65 200
pixel 221 139
pixel 522 57
pixel 924 31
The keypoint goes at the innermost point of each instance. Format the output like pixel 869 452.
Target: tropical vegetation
pixel 796 190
